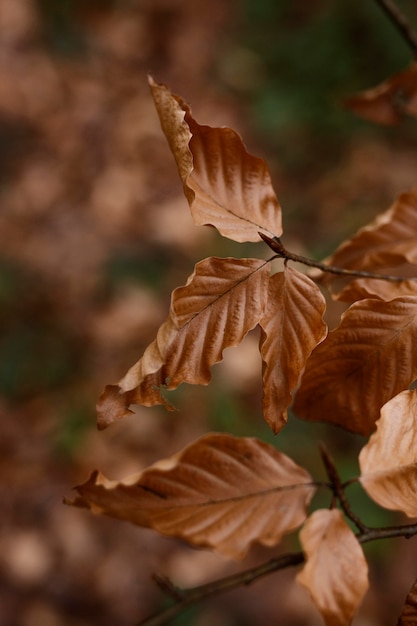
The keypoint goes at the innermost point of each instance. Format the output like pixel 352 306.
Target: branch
pixel 188 597
pixel 371 534
pixel 281 252
pixel 338 490
pixel 184 598
pixel 400 21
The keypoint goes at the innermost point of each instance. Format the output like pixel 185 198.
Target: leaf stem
pixel 281 252
pixel 400 21
pixel 338 490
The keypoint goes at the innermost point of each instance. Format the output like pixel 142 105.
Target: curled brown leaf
pixel 221 492
pixel 336 572
pixel 222 300
pixel 362 364
pixel 388 461
pixel 291 326
pixel 226 186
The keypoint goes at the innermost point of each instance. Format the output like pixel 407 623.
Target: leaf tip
pixel 111 406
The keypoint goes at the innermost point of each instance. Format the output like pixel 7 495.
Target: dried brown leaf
pixel 363 288
pixel 362 364
pixel 390 101
pixel 226 186
pixel 388 461
pixel 390 240
pixel 222 300
pixel 291 327
pixel 336 572
pixel 408 615
pixel 221 492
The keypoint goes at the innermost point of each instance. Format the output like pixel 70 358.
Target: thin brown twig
pixel 371 534
pixel 400 21
pixel 196 594
pixel 338 490
pixel 281 252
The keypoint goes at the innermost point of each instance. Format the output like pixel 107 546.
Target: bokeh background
pixel 95 233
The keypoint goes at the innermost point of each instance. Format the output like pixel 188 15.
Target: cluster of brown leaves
pixel 224 492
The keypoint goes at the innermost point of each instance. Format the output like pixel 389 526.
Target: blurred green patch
pixel 312 55
pixel 39 349
pixel 77 420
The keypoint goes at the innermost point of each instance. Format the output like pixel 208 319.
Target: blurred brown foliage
pixel 94 228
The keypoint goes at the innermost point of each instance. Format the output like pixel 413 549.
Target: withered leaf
pixel 226 186
pixel 362 364
pixel 390 101
pixel 222 300
pixel 336 572
pixel 408 615
pixel 363 288
pixel 221 492
pixel 390 240
pixel 388 461
pixel 291 326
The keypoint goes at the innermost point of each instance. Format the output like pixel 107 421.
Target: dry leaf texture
pixel 221 492
pixel 363 288
pixel 336 572
pixel 388 102
pixel 388 461
pixel 222 300
pixel 362 364
pixel 292 325
pixel 408 615
pixel 226 187
pixel 389 240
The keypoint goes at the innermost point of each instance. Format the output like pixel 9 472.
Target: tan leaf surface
pixel 221 492
pixel 390 101
pixel 389 240
pixel 363 288
pixel 388 461
pixel 336 572
pixel 408 615
pixel 222 300
pixel 226 186
pixel 292 325
pixel 362 364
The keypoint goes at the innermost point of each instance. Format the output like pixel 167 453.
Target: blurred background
pixel 95 233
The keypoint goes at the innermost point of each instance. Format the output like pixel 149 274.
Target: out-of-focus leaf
pixel 226 186
pixel 390 101
pixel 362 364
pixel 292 325
pixel 408 615
pixel 221 492
pixel 363 288
pixel 336 572
pixel 390 240
pixel 388 461
pixel 222 300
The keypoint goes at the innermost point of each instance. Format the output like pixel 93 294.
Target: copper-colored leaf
pixel 226 186
pixel 363 288
pixel 408 615
pixel 362 364
pixel 391 239
pixel 221 302
pixel 292 325
pixel 221 492
pixel 390 101
pixel 388 461
pixel 336 572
